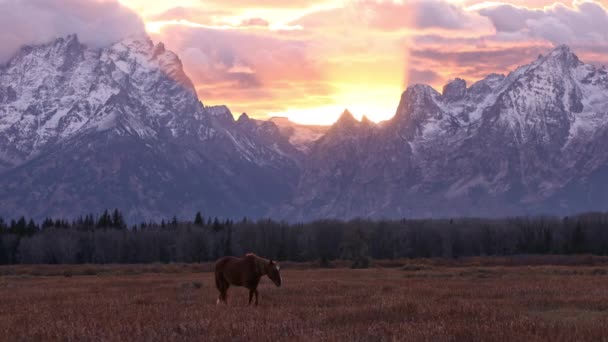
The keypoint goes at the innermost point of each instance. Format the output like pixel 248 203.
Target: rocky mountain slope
pixel 532 142
pixel 84 129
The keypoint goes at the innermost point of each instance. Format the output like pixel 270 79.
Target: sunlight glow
pixel 377 104
pixel 311 59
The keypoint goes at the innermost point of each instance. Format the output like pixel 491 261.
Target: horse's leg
pixel 225 294
pixel 250 296
pixel 219 283
pixel 256 297
pixel 222 297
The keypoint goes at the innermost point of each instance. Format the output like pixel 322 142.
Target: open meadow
pixel 415 300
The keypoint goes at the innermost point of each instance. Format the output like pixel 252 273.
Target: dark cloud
pixel 439 14
pixel 96 22
pixel 474 64
pixel 497 57
pixel 585 22
pixel 508 18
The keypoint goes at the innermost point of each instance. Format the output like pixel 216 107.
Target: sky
pixel 311 59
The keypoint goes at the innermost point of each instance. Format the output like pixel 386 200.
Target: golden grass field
pixel 414 301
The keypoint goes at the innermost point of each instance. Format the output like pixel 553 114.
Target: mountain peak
pixel 243 118
pixel 345 123
pixel 366 121
pixel 347 117
pixel 560 49
pixel 455 90
pixel 563 55
pixel 139 41
pixel 69 41
pixel 415 97
pixel 221 113
pixel 71 38
pixel 139 48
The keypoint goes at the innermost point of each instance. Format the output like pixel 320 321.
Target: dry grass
pixel 416 301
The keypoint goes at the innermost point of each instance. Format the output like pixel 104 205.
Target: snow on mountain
pixel 84 129
pixel 133 109
pixel 533 141
pixel 61 88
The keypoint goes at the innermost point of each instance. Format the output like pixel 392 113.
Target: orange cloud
pixel 251 72
pixel 310 59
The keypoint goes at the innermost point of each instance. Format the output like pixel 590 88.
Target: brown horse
pixel 247 272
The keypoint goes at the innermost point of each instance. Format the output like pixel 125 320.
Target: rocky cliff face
pixel 529 143
pixel 86 129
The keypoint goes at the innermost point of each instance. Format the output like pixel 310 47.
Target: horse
pixel 247 272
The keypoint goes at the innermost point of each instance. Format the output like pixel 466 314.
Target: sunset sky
pixel 310 59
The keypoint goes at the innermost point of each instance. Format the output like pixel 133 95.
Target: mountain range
pixel 84 129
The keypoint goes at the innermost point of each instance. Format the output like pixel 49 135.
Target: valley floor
pixel 414 301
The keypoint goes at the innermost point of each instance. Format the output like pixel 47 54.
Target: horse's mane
pixel 260 263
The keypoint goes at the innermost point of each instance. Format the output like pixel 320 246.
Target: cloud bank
pixel 315 57
pixel 583 23
pixel 272 56
pixel 97 22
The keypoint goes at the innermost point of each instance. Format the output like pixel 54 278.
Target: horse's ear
pixel 271 262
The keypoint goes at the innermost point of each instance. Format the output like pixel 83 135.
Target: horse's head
pixel 273 271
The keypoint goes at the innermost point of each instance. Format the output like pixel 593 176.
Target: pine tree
pixel 105 220
pixel 47 223
pixel 19 227
pixel 217 226
pixel 118 221
pixel 89 222
pixel 198 220
pixel 31 228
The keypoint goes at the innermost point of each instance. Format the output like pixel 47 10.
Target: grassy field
pixel 413 301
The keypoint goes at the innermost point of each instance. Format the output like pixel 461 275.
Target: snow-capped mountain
pixel 535 141
pixel 84 129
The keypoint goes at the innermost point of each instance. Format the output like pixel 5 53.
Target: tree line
pixel 107 238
